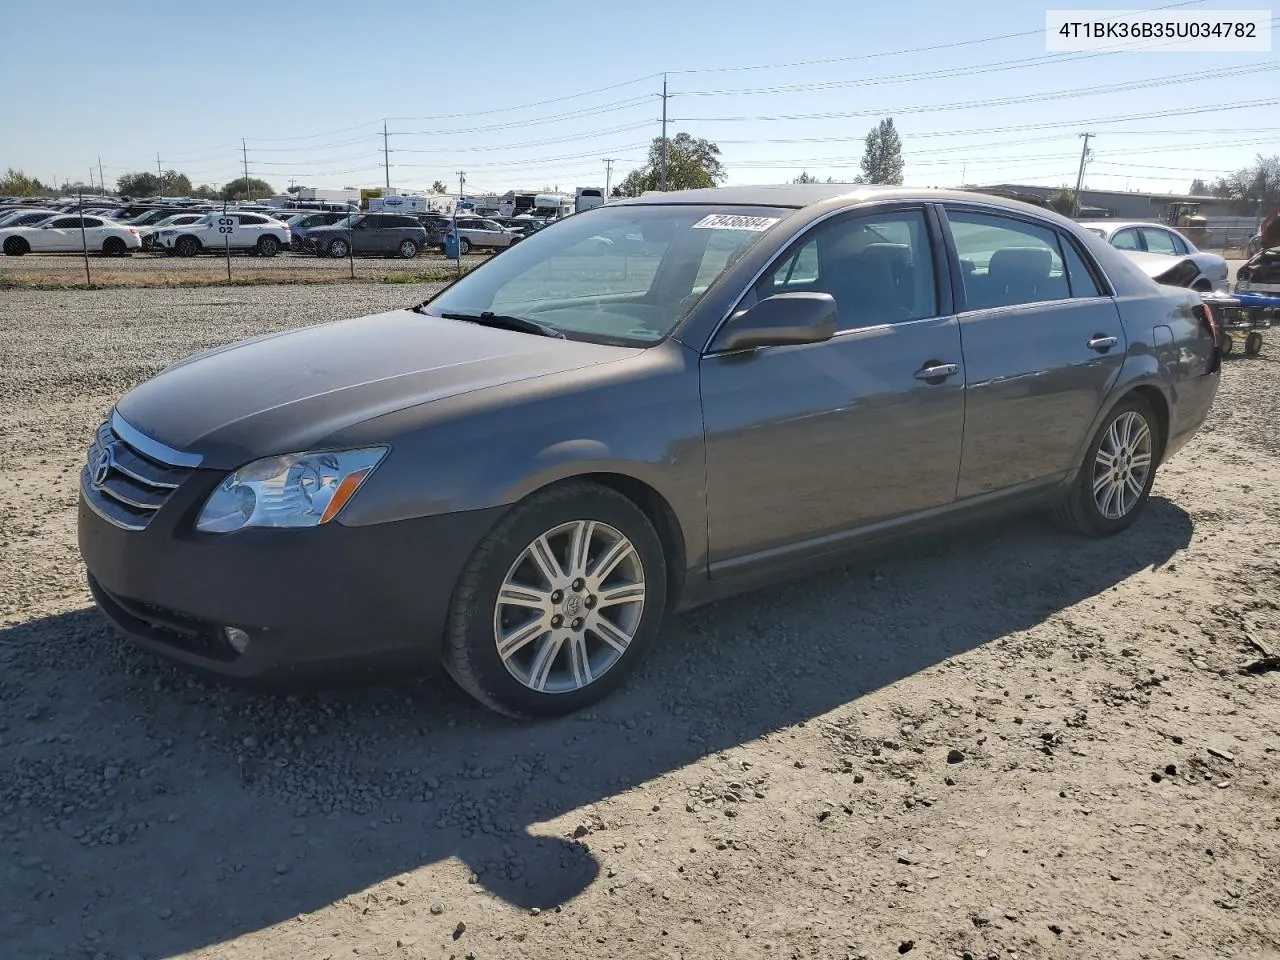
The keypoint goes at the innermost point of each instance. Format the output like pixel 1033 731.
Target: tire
pixel 1080 512
pixel 295 245
pixel 471 654
pixel 1253 344
pixel 268 246
pixel 187 246
pixel 338 249
pixel 408 249
pixel 16 247
pixel 113 247
pixel 1228 344
pixel 464 246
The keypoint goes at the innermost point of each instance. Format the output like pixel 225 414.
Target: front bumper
pixel 319 605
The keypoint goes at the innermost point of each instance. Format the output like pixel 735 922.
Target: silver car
pixel 1146 237
pixel 478 232
pixel 520 478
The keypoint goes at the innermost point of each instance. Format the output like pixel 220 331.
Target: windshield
pixel 618 274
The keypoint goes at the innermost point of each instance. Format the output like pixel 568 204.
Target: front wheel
pixel 558 603
pixel 187 246
pixel 1253 344
pixel 1114 482
pixel 338 249
pixel 16 247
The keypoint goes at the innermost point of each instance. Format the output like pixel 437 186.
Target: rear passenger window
pixel 249 220
pixel 878 267
pixel 1082 282
pixel 1006 262
pixel 1158 241
pixel 1127 240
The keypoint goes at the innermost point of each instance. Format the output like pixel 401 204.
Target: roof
pixel 799 195
pixel 1120 224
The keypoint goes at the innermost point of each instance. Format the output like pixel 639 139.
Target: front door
pixel 1043 345
pixel 809 441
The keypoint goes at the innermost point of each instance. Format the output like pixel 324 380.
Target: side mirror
pixel 781 320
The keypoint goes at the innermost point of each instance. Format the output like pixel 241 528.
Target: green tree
pixel 1256 189
pixel 1198 188
pixel 246 189
pixel 805 178
pixel 15 183
pixel 205 192
pixel 175 184
pixel 882 155
pixel 439 187
pixel 1064 201
pixel 691 163
pixel 138 185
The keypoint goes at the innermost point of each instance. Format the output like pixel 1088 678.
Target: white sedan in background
pixel 1140 237
pixel 148 231
pixel 71 234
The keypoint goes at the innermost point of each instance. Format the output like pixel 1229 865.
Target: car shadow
pixel 151 813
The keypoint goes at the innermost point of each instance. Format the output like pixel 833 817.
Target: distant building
pixel 1124 204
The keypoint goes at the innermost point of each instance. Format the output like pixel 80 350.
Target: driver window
pixel 878 267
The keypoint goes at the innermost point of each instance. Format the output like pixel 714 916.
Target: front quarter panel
pixel 638 417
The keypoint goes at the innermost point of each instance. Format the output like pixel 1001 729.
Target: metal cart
pixel 1243 315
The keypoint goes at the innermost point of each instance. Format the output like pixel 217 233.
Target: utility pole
pixel 102 181
pixel 664 133
pixel 462 180
pixel 608 174
pixel 1084 155
pixel 159 172
pixel 386 156
pixel 245 153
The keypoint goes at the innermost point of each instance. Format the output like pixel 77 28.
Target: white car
pixel 64 234
pixel 148 231
pixel 25 217
pixel 1157 238
pixel 216 231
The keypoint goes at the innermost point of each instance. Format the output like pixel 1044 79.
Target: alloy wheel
pixel 1122 465
pixel 569 607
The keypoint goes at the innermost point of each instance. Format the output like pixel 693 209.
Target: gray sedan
pixel 521 477
pixel 1155 238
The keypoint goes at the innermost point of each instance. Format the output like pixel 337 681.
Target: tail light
pixel 1206 317
pixel 134 231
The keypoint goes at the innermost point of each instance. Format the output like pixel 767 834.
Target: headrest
pixel 1021 263
pixel 896 254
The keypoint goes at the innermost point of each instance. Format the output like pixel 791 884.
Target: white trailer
pixel 398 204
pixel 327 195
pixel 588 197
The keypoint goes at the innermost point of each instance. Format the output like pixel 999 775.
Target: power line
pixel 1004 101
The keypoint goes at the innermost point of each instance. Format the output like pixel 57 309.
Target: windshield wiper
pixel 506 322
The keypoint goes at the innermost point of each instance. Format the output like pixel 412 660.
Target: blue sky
pixel 519 99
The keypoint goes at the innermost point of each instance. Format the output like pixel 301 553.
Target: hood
pixel 1164 268
pixel 327 228
pixel 288 392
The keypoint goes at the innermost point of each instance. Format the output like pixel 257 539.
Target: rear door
pixel 805 442
pixel 1043 345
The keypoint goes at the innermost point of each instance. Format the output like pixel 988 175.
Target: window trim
pixel 1106 292
pixel 981 209
pixel 943 299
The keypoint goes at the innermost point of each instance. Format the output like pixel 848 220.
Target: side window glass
pixel 1012 261
pixel 1082 282
pixel 878 267
pixel 1126 240
pixel 92 222
pixel 1158 241
pixel 1180 245
pixel 63 223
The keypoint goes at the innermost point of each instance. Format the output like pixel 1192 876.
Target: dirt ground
pixel 1011 744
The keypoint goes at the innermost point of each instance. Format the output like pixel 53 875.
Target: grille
pixel 127 477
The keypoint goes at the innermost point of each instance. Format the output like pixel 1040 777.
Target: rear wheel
pixel 1228 344
pixel 558 603
pixel 16 247
pixel 113 247
pixel 1115 480
pixel 1253 343
pixel 187 246
pixel 408 249
pixel 268 246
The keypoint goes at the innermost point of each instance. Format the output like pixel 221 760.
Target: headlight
pixel 296 490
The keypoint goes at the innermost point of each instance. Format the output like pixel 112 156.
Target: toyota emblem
pixel 102 464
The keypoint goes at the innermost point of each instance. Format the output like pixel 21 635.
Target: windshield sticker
pixel 724 221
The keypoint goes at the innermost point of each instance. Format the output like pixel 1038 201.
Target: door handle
pixel 937 371
pixel 1102 344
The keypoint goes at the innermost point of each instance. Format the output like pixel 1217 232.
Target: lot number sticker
pixel 724 221
pixel 226 224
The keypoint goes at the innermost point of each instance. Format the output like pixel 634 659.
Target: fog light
pixel 238 639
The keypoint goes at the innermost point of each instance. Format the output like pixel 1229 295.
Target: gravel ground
pixel 1010 744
